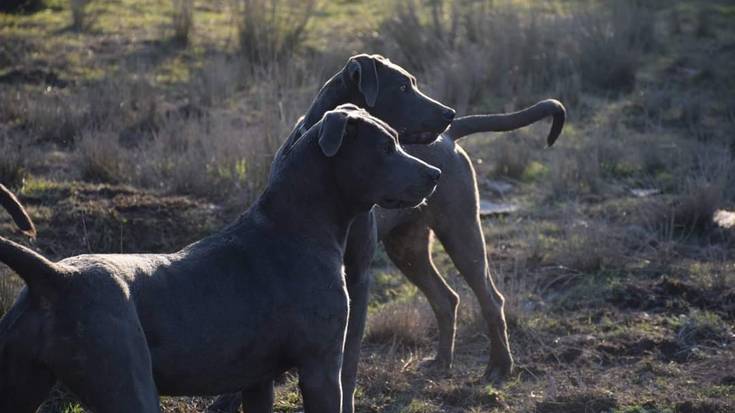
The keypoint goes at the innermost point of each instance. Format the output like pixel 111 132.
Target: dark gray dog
pixel 231 311
pixel 390 93
pixel 347 86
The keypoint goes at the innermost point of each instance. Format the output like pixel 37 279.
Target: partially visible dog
pixel 231 311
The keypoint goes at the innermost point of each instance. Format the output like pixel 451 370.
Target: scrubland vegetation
pixel 140 125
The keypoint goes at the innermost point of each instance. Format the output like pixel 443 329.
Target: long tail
pixel 467 125
pixel 39 273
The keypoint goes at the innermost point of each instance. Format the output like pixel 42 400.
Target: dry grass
pixel 511 157
pixel 402 324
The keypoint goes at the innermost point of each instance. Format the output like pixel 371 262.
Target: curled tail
pixel 39 273
pixel 467 125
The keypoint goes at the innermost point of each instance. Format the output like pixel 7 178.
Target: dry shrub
pixel 402 323
pixel 44 116
pixel 183 20
pixel 467 48
pixel 103 158
pixel 203 157
pixel 610 44
pixel 574 172
pixel 702 327
pixel 220 154
pixel 220 79
pixel 58 116
pixel 708 184
pixel 271 30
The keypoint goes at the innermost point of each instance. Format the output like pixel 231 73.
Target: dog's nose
pixel 449 114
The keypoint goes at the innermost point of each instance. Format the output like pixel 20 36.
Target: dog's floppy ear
pixel 363 69
pixel 332 131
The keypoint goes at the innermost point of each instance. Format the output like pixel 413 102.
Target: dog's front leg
pixel 321 389
pixel 258 398
pixel 361 245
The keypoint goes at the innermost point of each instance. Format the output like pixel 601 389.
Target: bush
pixel 271 30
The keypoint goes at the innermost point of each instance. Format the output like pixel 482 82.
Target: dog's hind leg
pixel 24 391
pixel 103 358
pixel 409 247
pixel 24 384
pixel 464 242
pixel 25 380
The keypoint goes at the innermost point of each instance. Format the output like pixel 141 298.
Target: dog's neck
pixel 302 199
pixel 338 90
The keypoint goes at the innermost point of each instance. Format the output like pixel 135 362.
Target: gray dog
pixel 452 213
pixel 393 96
pixel 233 310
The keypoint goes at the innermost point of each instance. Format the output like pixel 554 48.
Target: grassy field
pixel 140 125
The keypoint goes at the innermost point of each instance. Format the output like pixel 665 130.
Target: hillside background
pixel 140 125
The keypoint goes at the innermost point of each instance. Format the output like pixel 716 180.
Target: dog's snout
pixel 449 114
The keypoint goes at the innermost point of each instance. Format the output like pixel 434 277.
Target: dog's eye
pixel 404 88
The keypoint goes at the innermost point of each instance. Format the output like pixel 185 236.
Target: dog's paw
pixel 437 365
pixel 497 375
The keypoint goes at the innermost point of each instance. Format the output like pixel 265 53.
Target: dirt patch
pixel 705 406
pixel 77 218
pixel 674 296
pixel 34 76
pixel 611 352
pixel 578 403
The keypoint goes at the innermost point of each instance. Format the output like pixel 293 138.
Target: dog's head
pixel 390 93
pixel 370 166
